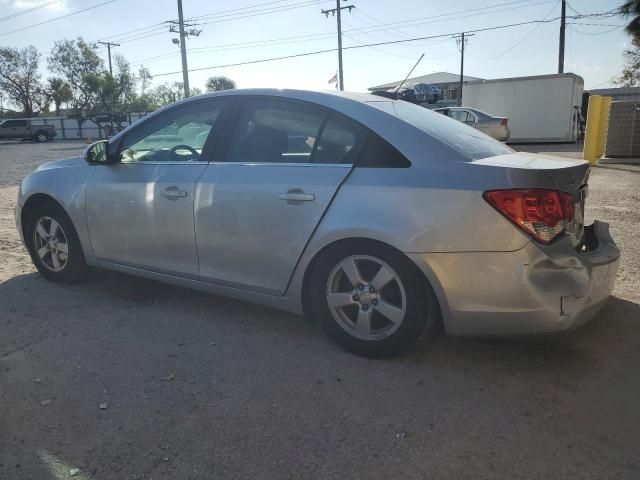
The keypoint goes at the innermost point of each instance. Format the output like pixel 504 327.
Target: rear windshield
pixel 466 140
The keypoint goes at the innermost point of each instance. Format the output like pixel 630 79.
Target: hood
pixel 67 162
pixel 568 174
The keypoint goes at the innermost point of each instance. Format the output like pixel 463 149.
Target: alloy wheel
pixel 366 297
pixel 51 244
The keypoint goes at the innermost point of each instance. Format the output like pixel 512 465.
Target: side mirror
pixel 98 152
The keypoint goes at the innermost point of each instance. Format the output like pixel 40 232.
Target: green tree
pixel 20 80
pixel 631 9
pixel 59 91
pixel 77 61
pixel 630 75
pixel 114 93
pixel 216 84
pixel 144 75
pixel 166 93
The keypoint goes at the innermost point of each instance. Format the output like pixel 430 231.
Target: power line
pixel 221 12
pixel 158 29
pixel 258 13
pixel 352 47
pixel 523 38
pixel 617 27
pixel 148 28
pixel 242 45
pixel 255 12
pixel 57 18
pixel 29 10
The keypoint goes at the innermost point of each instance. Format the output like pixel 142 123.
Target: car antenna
pixel 395 93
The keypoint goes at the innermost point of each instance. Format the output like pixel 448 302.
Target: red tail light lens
pixel 544 214
pixel 504 122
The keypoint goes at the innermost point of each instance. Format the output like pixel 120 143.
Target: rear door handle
pixel 173 193
pixel 296 195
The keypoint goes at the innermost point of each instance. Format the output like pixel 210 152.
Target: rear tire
pixel 54 245
pixel 42 136
pixel 370 299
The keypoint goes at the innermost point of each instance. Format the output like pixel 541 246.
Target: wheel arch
pixel 428 279
pixel 33 202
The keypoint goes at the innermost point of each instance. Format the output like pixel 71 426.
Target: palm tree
pixel 631 8
pixel 60 92
pixel 215 84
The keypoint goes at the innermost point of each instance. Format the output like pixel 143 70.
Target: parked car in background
pixel 376 217
pixel 492 125
pixel 19 129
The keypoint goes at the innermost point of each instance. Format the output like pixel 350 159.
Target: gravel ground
pixel 199 387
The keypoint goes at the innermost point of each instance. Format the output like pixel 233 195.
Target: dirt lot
pixel 202 387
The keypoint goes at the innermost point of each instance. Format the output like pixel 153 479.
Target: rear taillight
pixel 544 214
pixel 503 122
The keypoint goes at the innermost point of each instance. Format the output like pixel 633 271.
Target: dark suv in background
pixel 18 129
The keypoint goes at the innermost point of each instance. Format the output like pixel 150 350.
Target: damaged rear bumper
pixel 532 290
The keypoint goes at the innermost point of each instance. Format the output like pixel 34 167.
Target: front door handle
pixel 296 196
pixel 173 193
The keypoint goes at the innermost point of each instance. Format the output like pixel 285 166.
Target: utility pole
pixel 336 11
pixel 184 34
pixel 461 39
pixel 563 17
pixel 183 51
pixel 109 45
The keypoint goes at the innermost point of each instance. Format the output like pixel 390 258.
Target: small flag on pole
pixel 333 79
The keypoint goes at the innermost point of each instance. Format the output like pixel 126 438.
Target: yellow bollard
pixel 602 125
pixel 591 135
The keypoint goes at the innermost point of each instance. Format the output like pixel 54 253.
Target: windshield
pixel 467 140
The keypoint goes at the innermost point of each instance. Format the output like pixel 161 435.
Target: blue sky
pixel 593 51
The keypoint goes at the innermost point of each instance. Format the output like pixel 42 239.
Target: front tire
pixel 370 299
pixel 54 245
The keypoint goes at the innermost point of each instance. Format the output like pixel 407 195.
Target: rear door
pixel 255 211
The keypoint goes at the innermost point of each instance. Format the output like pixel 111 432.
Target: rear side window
pixel 339 141
pixel 275 131
pixel 378 153
pixel 465 139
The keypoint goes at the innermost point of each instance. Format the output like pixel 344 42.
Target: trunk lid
pixel 568 174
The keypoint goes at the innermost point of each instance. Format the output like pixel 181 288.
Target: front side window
pixel 15 123
pixel 176 135
pixel 275 131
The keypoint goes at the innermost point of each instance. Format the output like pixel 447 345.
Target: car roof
pixel 350 103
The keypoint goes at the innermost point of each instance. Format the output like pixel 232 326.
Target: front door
pixel 256 211
pixel 140 210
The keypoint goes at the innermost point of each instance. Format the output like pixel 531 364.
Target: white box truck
pixel 540 108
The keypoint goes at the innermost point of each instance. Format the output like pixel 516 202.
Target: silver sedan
pixel 379 218
pixel 493 125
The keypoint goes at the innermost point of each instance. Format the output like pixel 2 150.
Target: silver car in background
pixel 379 218
pixel 493 125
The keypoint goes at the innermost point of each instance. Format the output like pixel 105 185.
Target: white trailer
pixel 540 108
